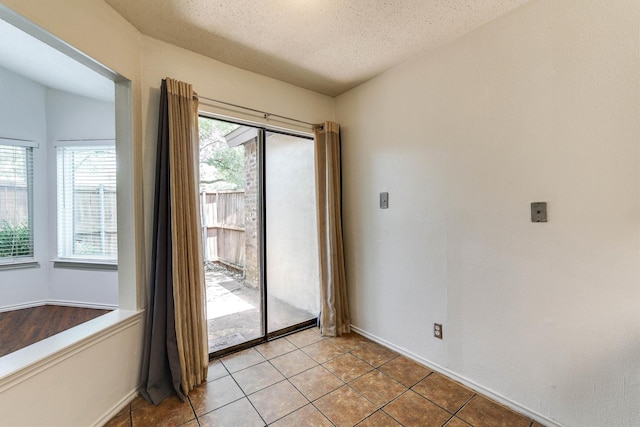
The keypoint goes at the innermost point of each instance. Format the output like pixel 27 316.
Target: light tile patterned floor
pixel 307 380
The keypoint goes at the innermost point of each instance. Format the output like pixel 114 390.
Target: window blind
pixel 16 200
pixel 86 195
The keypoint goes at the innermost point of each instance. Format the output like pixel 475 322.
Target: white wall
pixel 74 117
pixel 22 116
pixel 540 105
pixel 97 30
pixel 30 111
pixel 292 236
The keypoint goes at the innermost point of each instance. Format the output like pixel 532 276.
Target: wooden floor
pixel 20 328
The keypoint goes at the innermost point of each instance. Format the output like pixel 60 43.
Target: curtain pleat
pixel 334 315
pixel 176 353
pixel 188 274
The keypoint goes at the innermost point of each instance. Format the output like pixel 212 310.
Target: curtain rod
pixel 86 139
pixel 265 114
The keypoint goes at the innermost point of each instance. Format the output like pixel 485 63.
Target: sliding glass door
pixel 293 292
pixel 259 233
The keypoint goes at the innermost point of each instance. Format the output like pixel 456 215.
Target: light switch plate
pixel 384 200
pixel 539 212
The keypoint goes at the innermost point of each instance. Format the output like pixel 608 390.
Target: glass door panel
pixel 291 234
pixel 259 233
pixel 229 197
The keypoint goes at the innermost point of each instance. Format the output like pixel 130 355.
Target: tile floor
pixel 307 380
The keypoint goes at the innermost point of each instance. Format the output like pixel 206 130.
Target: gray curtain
pixel 161 373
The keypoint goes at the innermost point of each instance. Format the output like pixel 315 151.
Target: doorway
pixel 259 233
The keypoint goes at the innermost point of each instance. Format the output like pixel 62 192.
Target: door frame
pixel 262 229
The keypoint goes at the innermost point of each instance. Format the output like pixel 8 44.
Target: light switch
pixel 539 212
pixel 384 200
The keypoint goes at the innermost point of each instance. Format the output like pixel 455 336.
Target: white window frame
pixel 64 238
pixel 28 260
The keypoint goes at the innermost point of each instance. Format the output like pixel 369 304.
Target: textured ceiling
pixel 328 46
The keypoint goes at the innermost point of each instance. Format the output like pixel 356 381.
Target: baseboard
pixel 467 382
pixel 23 305
pixel 117 408
pixel 81 304
pixel 64 303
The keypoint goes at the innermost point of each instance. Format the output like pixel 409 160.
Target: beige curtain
pixel 334 317
pixel 187 263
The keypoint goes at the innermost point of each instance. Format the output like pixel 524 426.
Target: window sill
pixel 85 265
pixel 19 265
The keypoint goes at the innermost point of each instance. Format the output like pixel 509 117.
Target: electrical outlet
pixel 437 330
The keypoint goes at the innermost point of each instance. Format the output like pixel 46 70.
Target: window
pixel 86 193
pixel 16 200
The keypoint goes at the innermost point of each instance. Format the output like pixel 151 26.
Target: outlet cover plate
pixel 437 330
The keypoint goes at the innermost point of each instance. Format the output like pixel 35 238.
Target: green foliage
pixel 80 247
pixel 221 167
pixel 15 241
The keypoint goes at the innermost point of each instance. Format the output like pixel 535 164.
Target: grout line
pixel 297 409
pixel 463 406
pixel 322 413
pixel 448 419
pixel 298 373
pixel 220 407
pixel 321 396
pixel 389 415
pixel 453 414
pixel 246 396
pixel 288 379
pixel 283 354
pixel 343 383
pixel 369 416
pixel 195 414
pixel 374 367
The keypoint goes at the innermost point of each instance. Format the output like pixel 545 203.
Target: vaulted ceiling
pixel 328 46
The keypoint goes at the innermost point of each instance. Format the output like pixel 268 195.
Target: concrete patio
pixel 234 311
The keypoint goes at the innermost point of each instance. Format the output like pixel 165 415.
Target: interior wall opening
pixel 73 116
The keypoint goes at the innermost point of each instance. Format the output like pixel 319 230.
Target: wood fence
pixel 95 220
pixel 223 227
pixel 14 204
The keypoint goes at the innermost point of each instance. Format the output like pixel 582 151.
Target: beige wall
pixel 216 80
pixel 97 30
pixel 59 381
pixel 540 105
